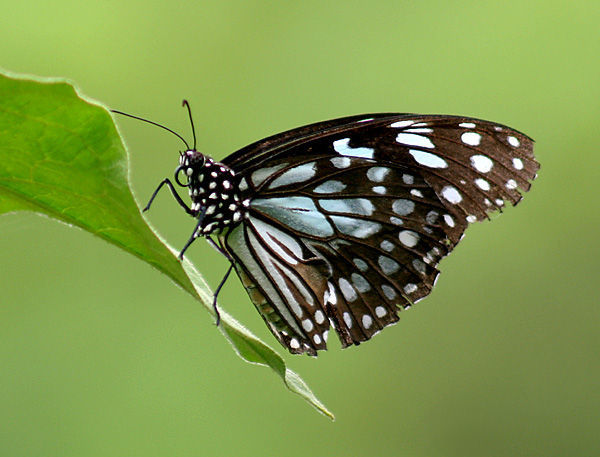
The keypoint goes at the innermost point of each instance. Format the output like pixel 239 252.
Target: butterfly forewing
pixel 349 218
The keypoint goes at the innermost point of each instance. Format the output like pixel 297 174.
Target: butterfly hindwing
pixel 285 281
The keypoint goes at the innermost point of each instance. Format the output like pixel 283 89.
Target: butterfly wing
pixel 349 218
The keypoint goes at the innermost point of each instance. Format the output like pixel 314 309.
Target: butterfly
pixel 343 223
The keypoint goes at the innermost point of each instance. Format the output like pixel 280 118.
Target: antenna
pixel 159 125
pixel 187 105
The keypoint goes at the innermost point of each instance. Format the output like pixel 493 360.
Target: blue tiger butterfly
pixel 343 223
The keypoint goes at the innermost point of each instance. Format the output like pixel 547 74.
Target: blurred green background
pixel 101 356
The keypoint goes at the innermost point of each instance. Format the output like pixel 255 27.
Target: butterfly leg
pixel 194 233
pixel 222 283
pixel 167 181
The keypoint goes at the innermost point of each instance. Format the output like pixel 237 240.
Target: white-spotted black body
pixel 214 191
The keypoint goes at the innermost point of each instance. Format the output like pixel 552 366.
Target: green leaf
pixel 61 155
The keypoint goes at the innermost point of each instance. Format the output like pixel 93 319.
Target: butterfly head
pixel 191 164
pixel 213 187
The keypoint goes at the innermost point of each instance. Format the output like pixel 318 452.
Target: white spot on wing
pixel 389 292
pixel 451 194
pixel 403 207
pixel 347 290
pixel 361 264
pixel 295 175
pixel 422 130
pixel 387 245
pixel 360 283
pixel 401 124
pixel 428 159
pixel 408 238
pixel 431 217
pixel 388 265
pixel 307 325
pixel 482 184
pixel 319 317
pixel 341 162
pixel 419 265
pixel 467 125
pixel 377 174
pixel 380 311
pixel 513 141
pixel 342 147
pixel 357 228
pixel 511 184
pixel 517 163
pixel 360 206
pixel 408 179
pixel 410 288
pixel 471 138
pixel 330 187
pixel 347 320
pixel 367 321
pixel 330 295
pixel 482 163
pixel 412 139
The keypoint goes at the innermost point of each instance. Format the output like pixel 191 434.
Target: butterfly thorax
pixel 214 191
